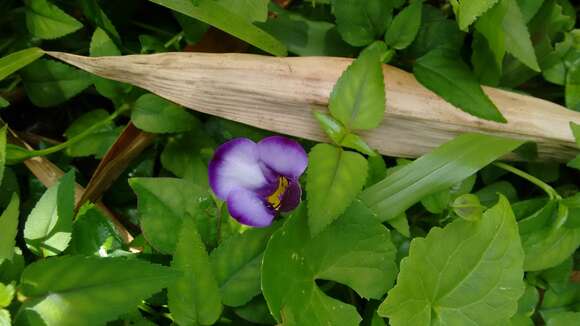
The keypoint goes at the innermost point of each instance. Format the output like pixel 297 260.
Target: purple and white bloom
pixel 258 180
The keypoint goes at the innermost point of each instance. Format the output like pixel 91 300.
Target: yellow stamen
pixel 275 199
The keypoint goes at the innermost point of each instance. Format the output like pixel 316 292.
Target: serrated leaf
pixel 17 60
pixel 75 290
pixel 237 263
pixel 102 45
pixel 46 21
pixel 333 179
pixel 358 97
pixel 98 142
pixel 213 13
pixel 356 251
pixel 359 23
pixel 465 273
pixel 518 41
pixel 49 83
pixel 468 11
pixel 164 202
pixel 444 167
pixel 496 37
pixel 444 73
pixel 405 26
pixel 48 227
pixel 9 228
pixel 194 299
pixel 154 114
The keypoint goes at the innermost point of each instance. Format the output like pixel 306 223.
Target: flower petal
pixel 291 197
pixel 248 208
pixel 283 155
pixel 235 165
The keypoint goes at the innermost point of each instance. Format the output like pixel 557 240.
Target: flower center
pixel 275 199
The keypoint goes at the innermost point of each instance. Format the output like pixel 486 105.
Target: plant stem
pixel 544 186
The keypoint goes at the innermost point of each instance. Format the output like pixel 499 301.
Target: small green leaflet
pixel 405 26
pixel 468 11
pixel 358 97
pixel 465 273
pixel 17 60
pixel 356 251
pixel 333 179
pixel 194 299
pixel 445 166
pixel 213 13
pixel 9 228
pixel 359 23
pixel 155 114
pixel 443 72
pixel 237 263
pixel 76 290
pixel 46 21
pixel 50 83
pixel 48 228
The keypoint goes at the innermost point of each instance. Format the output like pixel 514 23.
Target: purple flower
pixel 258 180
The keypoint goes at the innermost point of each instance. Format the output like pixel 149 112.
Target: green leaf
pixel 256 311
pixel 444 167
pixel 9 228
pixel 252 10
pixel 465 273
pixel 194 299
pixel 444 73
pixel 573 87
pixel 93 233
pixel 187 154
pixel 6 295
pixel 332 127
pixel 103 45
pixel 212 13
pixel 46 21
pixel 564 318
pixel 528 302
pixel 333 179
pixel 75 290
pixel 5 319
pixel 50 83
pixel 3 132
pixel 237 262
pixel 518 41
pixel 468 207
pixel 377 170
pixel 48 228
pixel 359 23
pixel 405 26
pixel 96 143
pixel 155 114
pixel 358 97
pixel 3 103
pixel 468 11
pixel 496 37
pixel 436 31
pixel 17 60
pixel 576 132
pixel 304 36
pixel 163 203
pixel 98 17
pixel 356 251
pixel 10 270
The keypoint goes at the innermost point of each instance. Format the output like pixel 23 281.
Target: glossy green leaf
pixel 96 143
pixel 358 97
pixel 49 83
pixel 194 299
pixel 76 290
pixel 518 41
pixel 356 251
pixel 6 294
pixel 444 73
pixel 213 13
pixel 102 45
pixel 333 179
pixel 48 228
pixel 468 11
pixel 405 26
pixel 17 60
pixel 445 166
pixel 9 228
pixel 237 263
pixel 163 203
pixel 155 114
pixel 93 233
pixel 465 273
pixel 359 23
pixel 46 21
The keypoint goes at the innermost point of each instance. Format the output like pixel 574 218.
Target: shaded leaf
pixel 155 114
pixel 359 23
pixel 405 26
pixel 96 143
pixel 9 228
pixel 93 234
pixel 98 17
